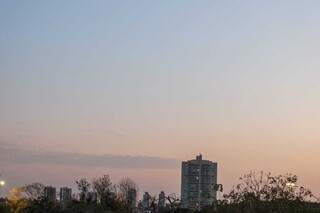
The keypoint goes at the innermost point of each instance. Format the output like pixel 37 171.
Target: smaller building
pixel 146 202
pixel 65 194
pixel 162 200
pixel 132 198
pixel 50 193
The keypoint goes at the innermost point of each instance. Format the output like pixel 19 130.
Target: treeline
pixel 265 193
pixel 98 195
pixel 256 193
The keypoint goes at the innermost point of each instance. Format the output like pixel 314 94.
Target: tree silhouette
pixel 127 186
pixel 260 190
pixel 34 191
pixel 104 188
pixel 83 186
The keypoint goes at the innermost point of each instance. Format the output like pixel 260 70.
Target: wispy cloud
pixel 22 156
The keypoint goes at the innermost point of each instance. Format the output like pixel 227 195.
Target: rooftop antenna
pixel 199 157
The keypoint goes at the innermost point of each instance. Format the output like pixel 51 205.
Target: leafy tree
pixel 16 201
pixel 42 205
pixel 4 207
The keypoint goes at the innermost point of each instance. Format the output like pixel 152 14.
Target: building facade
pixel 50 193
pixel 198 181
pixel 132 198
pixel 146 202
pixel 65 194
pixel 162 200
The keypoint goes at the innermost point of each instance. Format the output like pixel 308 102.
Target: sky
pixel 158 82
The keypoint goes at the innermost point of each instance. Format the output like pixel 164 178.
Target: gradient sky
pixel 237 81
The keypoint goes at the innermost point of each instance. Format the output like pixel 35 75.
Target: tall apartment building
pixel 50 193
pixel 198 181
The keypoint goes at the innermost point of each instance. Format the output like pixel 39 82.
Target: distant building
pixel 198 181
pixel 132 198
pixel 50 193
pixel 162 200
pixel 146 202
pixel 65 194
